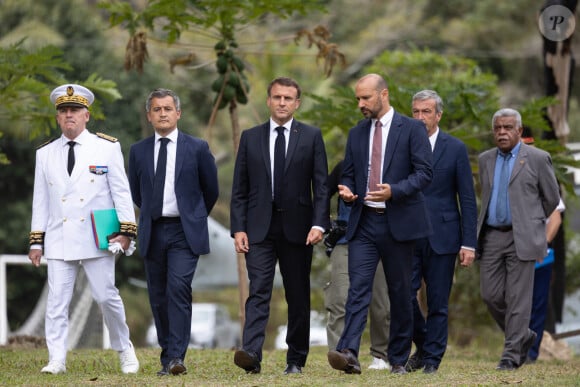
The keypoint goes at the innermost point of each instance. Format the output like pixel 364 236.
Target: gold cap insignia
pixel 72 95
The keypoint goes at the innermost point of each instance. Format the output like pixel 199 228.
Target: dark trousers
pixel 430 334
pixel 295 262
pixel 170 265
pixel 542 278
pixel 371 243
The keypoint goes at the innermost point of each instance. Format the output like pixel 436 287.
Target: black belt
pixel 500 228
pixel 168 219
pixel 374 210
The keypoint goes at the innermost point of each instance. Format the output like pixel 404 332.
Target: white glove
pixel 116 248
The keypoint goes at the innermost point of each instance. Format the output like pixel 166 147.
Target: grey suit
pixel 507 256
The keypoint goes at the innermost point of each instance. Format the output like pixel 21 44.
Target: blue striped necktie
pixel 501 209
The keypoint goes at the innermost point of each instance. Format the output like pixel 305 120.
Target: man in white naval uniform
pixel 71 180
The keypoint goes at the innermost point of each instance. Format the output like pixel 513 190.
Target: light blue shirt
pixel 491 218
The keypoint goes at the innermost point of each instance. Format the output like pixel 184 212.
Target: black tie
pixel 71 157
pixel 279 159
pixel 159 182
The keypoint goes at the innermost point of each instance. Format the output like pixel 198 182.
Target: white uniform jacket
pixel 62 204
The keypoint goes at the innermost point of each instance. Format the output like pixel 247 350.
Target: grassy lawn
pixel 472 365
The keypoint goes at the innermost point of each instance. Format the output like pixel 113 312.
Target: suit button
pixel 64 220
pixel 63 200
pixel 82 219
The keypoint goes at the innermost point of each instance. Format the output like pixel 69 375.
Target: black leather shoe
pixel 530 340
pixel 164 371
pixel 506 365
pixel 248 361
pixel 176 367
pixel 292 369
pixel 398 369
pixel 430 369
pixel 415 362
pixel 344 360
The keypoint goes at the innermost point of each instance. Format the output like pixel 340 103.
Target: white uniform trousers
pixel 100 273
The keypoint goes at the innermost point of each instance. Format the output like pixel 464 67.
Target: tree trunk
pixel 559 73
pixel 241 259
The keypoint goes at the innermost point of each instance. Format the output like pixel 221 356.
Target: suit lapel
pixel 491 168
pixel 392 139
pixel 440 146
pixel 179 154
pixel 149 155
pixel 292 142
pixel 365 142
pixel 265 147
pixel 519 162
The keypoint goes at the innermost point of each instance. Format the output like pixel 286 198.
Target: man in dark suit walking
pixel 386 166
pixel 279 210
pixel 173 180
pixel 519 191
pixel 453 213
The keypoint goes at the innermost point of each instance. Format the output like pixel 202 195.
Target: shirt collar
pixel 513 152
pixel 433 138
pixel 80 139
pixel 386 118
pixel 171 136
pixel 287 125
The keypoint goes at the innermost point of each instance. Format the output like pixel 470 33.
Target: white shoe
pixel 128 359
pixel 54 367
pixel 379 364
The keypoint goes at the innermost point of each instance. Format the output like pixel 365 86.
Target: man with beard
pixel 386 166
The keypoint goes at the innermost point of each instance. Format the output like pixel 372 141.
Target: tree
pixel 220 20
pixel 470 96
pixel 23 78
pixel 26 79
pixel 30 67
pixel 559 66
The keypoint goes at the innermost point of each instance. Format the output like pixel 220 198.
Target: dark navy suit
pixel 171 248
pixel 389 236
pixel 279 234
pixel 453 213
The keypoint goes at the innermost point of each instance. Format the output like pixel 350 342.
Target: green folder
pixel 105 223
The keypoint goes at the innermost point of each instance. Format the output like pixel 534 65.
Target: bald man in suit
pixel 387 164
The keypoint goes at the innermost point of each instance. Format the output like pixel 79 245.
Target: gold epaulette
pixel 128 229
pixel 46 143
pixel 107 137
pixel 36 238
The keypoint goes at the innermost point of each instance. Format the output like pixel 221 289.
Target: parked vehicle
pixel 211 327
pixel 317 332
pixel 574 148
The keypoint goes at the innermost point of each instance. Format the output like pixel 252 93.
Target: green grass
pixel 473 365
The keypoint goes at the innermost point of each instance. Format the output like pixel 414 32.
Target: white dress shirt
pixel 386 121
pixel 273 136
pixel 433 139
pixel 169 199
